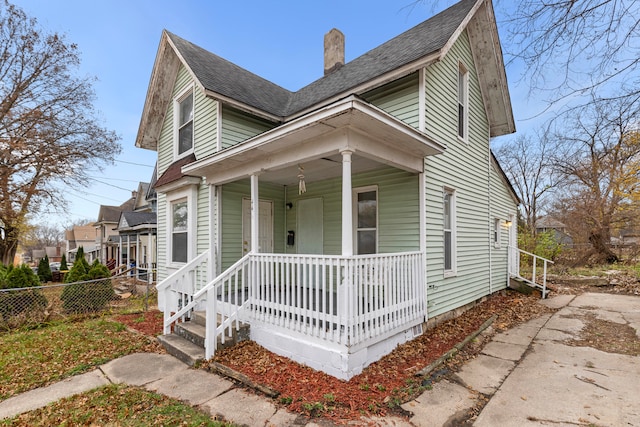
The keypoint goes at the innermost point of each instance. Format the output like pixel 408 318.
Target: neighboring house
pixel 559 230
pixel 337 219
pixel 627 237
pixel 80 235
pixel 107 240
pixel 53 252
pixel 137 229
pixel 137 234
pixel 141 204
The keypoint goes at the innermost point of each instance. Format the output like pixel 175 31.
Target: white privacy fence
pixel 343 300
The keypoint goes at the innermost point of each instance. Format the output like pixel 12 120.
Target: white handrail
pixel 198 295
pixel 515 269
pixel 188 266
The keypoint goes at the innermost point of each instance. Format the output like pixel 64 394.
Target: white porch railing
pixel 343 300
pixel 222 299
pixel 530 274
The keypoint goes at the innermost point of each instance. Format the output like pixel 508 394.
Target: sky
pixel 280 40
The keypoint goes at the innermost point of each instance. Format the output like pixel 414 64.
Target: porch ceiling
pixel 315 142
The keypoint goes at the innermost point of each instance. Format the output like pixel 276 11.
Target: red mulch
pixel 148 322
pixel 383 385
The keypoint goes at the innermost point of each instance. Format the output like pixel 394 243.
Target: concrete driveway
pixel 564 381
pixel 565 369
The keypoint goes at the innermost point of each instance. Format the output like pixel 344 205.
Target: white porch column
pixel 137 255
pixel 347 205
pixel 255 215
pixel 150 257
pixel 212 270
pixel 119 258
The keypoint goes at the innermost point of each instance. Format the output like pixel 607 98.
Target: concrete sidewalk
pixel 528 374
pixel 532 376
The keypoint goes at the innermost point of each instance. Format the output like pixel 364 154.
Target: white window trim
pixel 176 121
pixel 454 247
pixel 465 101
pixel 354 198
pixel 497 232
pixel 190 195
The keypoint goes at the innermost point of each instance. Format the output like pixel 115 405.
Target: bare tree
pixel 525 161
pixel 569 47
pixel 41 236
pixel 598 150
pixel 49 133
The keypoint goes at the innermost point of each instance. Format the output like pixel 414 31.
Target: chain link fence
pixel 31 306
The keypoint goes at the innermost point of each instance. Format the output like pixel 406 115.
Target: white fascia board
pixel 254 153
pixel 465 22
pixel 178 184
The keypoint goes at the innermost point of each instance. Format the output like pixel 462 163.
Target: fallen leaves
pixel 385 384
pixel 148 323
pixel 34 358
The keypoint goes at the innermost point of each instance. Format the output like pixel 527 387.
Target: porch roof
pixel 373 136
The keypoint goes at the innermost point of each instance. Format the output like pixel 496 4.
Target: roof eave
pixel 159 94
pixel 261 152
pixel 487 55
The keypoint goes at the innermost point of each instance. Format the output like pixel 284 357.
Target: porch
pixel 336 291
pixel 333 313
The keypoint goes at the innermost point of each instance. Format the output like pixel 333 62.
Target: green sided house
pixel 335 220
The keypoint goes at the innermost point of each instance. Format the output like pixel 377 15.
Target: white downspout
pixel 489 221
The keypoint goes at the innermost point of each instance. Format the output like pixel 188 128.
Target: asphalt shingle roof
pixel 221 76
pixel 138 218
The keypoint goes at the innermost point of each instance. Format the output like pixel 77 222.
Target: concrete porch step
pixel 182 348
pixel 525 287
pixel 187 341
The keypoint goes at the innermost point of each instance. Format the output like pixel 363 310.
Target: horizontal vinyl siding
pixel 162 236
pixel 231 226
pixel 206 125
pixel 165 159
pixel 166 143
pixel 399 98
pixel 398 209
pixel 238 127
pixel 464 168
pixel 502 206
pixel 202 227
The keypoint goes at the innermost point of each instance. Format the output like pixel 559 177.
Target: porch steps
pixel 187 340
pixel 526 286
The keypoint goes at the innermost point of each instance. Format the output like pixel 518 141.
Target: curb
pixel 456 348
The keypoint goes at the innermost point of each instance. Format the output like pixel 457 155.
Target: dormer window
pixel 184 124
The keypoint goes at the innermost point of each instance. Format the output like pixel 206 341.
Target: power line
pixel 113 179
pixel 131 163
pixel 111 185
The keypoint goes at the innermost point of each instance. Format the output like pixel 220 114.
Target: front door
pixel 310 220
pixel 265 215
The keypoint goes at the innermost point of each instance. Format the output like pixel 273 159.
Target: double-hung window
pixel 449 230
pixel 463 102
pixel 179 230
pixel 366 220
pixel 185 124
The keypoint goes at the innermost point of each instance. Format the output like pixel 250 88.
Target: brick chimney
pixel 333 51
